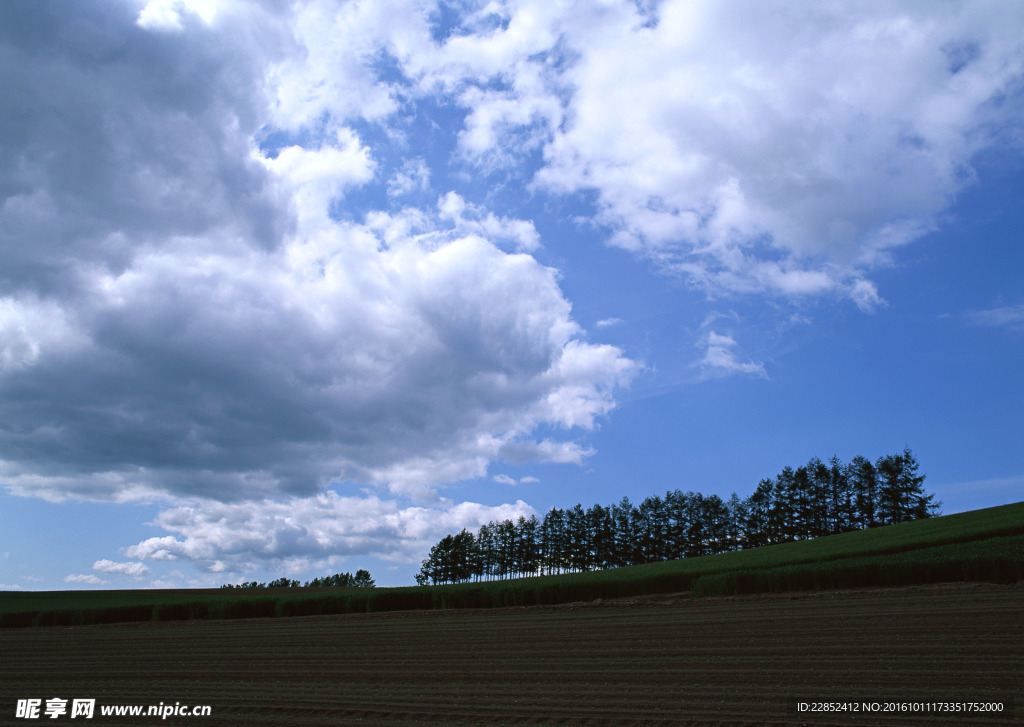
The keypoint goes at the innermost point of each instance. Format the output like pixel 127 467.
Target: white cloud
pixel 330 71
pixel 89 578
pixel 470 219
pixel 720 358
pixel 170 15
pixel 413 176
pixel 236 537
pixel 608 322
pixel 504 125
pixel 315 177
pixel 547 450
pixel 31 328
pixel 125 569
pixel 865 294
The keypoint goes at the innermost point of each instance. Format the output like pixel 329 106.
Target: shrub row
pixel 997 560
pixel 78 617
pixel 229 608
pixel 524 592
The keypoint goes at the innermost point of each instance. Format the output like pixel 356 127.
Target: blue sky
pixel 298 288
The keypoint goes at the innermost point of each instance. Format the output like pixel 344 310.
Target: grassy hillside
pixel 982 545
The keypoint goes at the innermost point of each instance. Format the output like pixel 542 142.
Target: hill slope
pixel 981 545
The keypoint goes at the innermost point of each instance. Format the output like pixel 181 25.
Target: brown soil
pixel 661 660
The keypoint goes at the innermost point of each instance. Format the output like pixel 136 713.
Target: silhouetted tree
pixel 864 484
pixel 736 516
pixel 758 529
pixel 485 552
pixel 576 537
pixel 553 535
pixel 813 500
pixel 362 579
pixel 842 513
pixel 901 495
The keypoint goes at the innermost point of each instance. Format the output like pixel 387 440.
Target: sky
pixel 292 289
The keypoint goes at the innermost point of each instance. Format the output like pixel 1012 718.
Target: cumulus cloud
pixel 235 537
pixel 333 69
pixel 185 313
pixel 314 177
pixel 339 357
pixel 125 140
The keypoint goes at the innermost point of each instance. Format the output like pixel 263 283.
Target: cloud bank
pixel 781 148
pixel 184 316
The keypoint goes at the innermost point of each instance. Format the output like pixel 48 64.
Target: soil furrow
pixel 669 661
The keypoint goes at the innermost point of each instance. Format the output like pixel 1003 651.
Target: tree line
pixel 361 579
pixel 811 501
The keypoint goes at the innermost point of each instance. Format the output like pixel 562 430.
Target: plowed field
pixel 667 660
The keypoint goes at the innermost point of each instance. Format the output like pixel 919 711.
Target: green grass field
pixel 982 545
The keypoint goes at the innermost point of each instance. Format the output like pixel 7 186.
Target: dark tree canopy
pixel 362 579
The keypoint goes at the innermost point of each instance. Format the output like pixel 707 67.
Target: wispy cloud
pixel 414 176
pixel 471 219
pixel 1006 316
pixel 720 358
pixel 506 480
